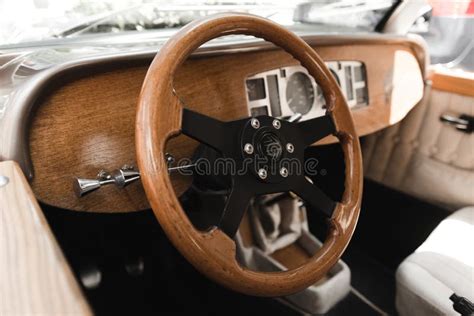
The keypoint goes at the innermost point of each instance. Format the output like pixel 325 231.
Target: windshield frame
pixel 83 29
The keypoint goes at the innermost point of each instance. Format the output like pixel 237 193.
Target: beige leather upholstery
pixel 443 264
pixel 424 157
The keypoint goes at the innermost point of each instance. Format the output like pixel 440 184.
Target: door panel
pixel 423 156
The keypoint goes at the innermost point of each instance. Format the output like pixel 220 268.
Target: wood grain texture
pixel 91 118
pixel 291 256
pixel 89 125
pixel 452 81
pixel 35 277
pixel 213 252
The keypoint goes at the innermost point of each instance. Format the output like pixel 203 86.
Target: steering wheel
pixel 161 116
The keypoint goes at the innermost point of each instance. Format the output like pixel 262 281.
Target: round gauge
pixel 300 93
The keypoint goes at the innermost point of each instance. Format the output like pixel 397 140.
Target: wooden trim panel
pixel 450 81
pixel 91 117
pixel 35 277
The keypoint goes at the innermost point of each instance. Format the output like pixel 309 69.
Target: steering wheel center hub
pixel 269 146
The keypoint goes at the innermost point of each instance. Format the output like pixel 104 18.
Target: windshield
pixel 24 21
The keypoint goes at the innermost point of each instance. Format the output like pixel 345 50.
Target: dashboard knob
pixel 84 186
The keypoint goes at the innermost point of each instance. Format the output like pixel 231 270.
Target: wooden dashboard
pixel 86 122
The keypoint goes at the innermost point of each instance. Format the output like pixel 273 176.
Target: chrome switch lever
pixel 124 176
pixel 120 177
pixel 295 118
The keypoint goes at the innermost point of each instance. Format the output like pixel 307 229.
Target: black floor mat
pixel 168 285
pixel 393 224
pixel 352 305
pixel 372 279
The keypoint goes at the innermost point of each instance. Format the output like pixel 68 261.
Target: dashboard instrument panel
pixel 90 115
pixel 286 91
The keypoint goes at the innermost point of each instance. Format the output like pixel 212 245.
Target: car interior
pixel 237 167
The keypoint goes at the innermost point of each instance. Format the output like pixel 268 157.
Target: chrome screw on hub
pixel 284 172
pixel 290 148
pixel 248 148
pixel 262 173
pixel 276 124
pixel 255 123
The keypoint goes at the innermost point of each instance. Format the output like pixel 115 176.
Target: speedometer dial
pixel 300 93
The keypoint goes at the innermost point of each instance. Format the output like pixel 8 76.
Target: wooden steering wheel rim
pixel 213 252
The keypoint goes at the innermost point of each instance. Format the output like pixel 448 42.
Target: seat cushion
pixel 443 264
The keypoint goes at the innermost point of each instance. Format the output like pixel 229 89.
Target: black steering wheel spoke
pixel 317 128
pixel 314 196
pixel 217 134
pixel 236 205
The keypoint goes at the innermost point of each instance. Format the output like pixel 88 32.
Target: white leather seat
pixel 443 264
